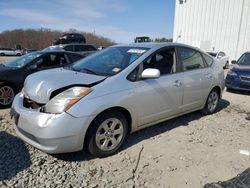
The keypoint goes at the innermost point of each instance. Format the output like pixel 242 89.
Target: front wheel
pixel 107 133
pixel 7 94
pixel 212 102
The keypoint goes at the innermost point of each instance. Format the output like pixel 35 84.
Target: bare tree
pixel 41 38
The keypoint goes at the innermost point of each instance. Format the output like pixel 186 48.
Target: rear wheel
pixel 2 54
pixel 107 133
pixel 7 94
pixel 212 102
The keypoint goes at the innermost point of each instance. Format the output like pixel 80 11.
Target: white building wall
pixel 214 24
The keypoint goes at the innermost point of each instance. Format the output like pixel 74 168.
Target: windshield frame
pixel 241 57
pixel 127 60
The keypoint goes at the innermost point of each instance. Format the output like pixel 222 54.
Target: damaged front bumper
pixel 51 133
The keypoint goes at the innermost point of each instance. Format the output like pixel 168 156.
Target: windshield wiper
pixel 90 71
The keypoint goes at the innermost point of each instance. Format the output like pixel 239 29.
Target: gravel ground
pixel 188 151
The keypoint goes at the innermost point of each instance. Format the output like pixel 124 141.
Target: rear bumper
pixel 51 133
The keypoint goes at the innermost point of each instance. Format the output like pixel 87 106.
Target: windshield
pixel 109 61
pixel 212 54
pixel 23 60
pixel 244 60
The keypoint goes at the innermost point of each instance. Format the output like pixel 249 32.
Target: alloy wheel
pixel 6 95
pixel 212 101
pixel 109 134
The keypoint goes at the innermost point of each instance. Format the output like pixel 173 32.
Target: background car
pixel 69 38
pixel 238 77
pixel 83 49
pixel 222 57
pixel 10 52
pixel 13 73
pixel 102 98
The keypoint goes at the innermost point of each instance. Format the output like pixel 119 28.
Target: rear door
pixel 197 78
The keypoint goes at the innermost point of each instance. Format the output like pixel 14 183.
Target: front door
pixel 158 99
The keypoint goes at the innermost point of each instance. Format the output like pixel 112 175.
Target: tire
pixel 2 54
pixel 7 94
pixel 102 141
pixel 212 103
pixel 18 54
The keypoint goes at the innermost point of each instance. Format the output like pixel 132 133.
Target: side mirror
pixel 33 67
pixel 233 62
pixel 150 74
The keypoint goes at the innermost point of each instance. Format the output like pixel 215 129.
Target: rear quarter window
pixel 208 60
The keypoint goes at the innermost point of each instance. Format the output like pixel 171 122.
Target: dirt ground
pixel 188 151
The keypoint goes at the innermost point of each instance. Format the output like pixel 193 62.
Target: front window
pixel 109 61
pixel 23 60
pixel 244 60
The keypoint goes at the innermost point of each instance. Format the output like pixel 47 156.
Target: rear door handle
pixel 177 83
pixel 209 76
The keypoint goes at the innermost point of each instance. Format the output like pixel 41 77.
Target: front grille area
pixel 245 78
pixel 27 103
pixel 28 135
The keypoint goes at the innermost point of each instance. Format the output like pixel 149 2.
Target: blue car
pixel 238 77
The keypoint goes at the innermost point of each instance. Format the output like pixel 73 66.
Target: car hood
pixel 39 86
pixel 241 68
pixel 5 71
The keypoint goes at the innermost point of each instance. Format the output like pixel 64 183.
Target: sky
pixel 119 20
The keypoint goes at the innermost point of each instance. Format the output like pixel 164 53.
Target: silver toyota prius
pixel 99 100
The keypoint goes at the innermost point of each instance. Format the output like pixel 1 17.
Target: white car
pixel 222 57
pixel 10 51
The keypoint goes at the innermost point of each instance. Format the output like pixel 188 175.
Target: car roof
pixel 63 45
pixel 55 51
pixel 153 45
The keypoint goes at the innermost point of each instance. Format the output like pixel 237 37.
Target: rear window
pixel 80 48
pixel 191 59
pixel 208 59
pixel 69 48
pixel 90 48
pixel 74 57
pixel 212 54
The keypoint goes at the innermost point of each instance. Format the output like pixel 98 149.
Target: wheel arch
pixel 10 84
pixel 217 88
pixel 120 109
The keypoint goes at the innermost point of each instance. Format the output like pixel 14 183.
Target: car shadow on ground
pixel 14 156
pixel 168 125
pixel 238 92
pixel 144 133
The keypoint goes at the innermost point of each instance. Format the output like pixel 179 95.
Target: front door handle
pixel 177 83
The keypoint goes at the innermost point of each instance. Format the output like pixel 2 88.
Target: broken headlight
pixel 65 100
